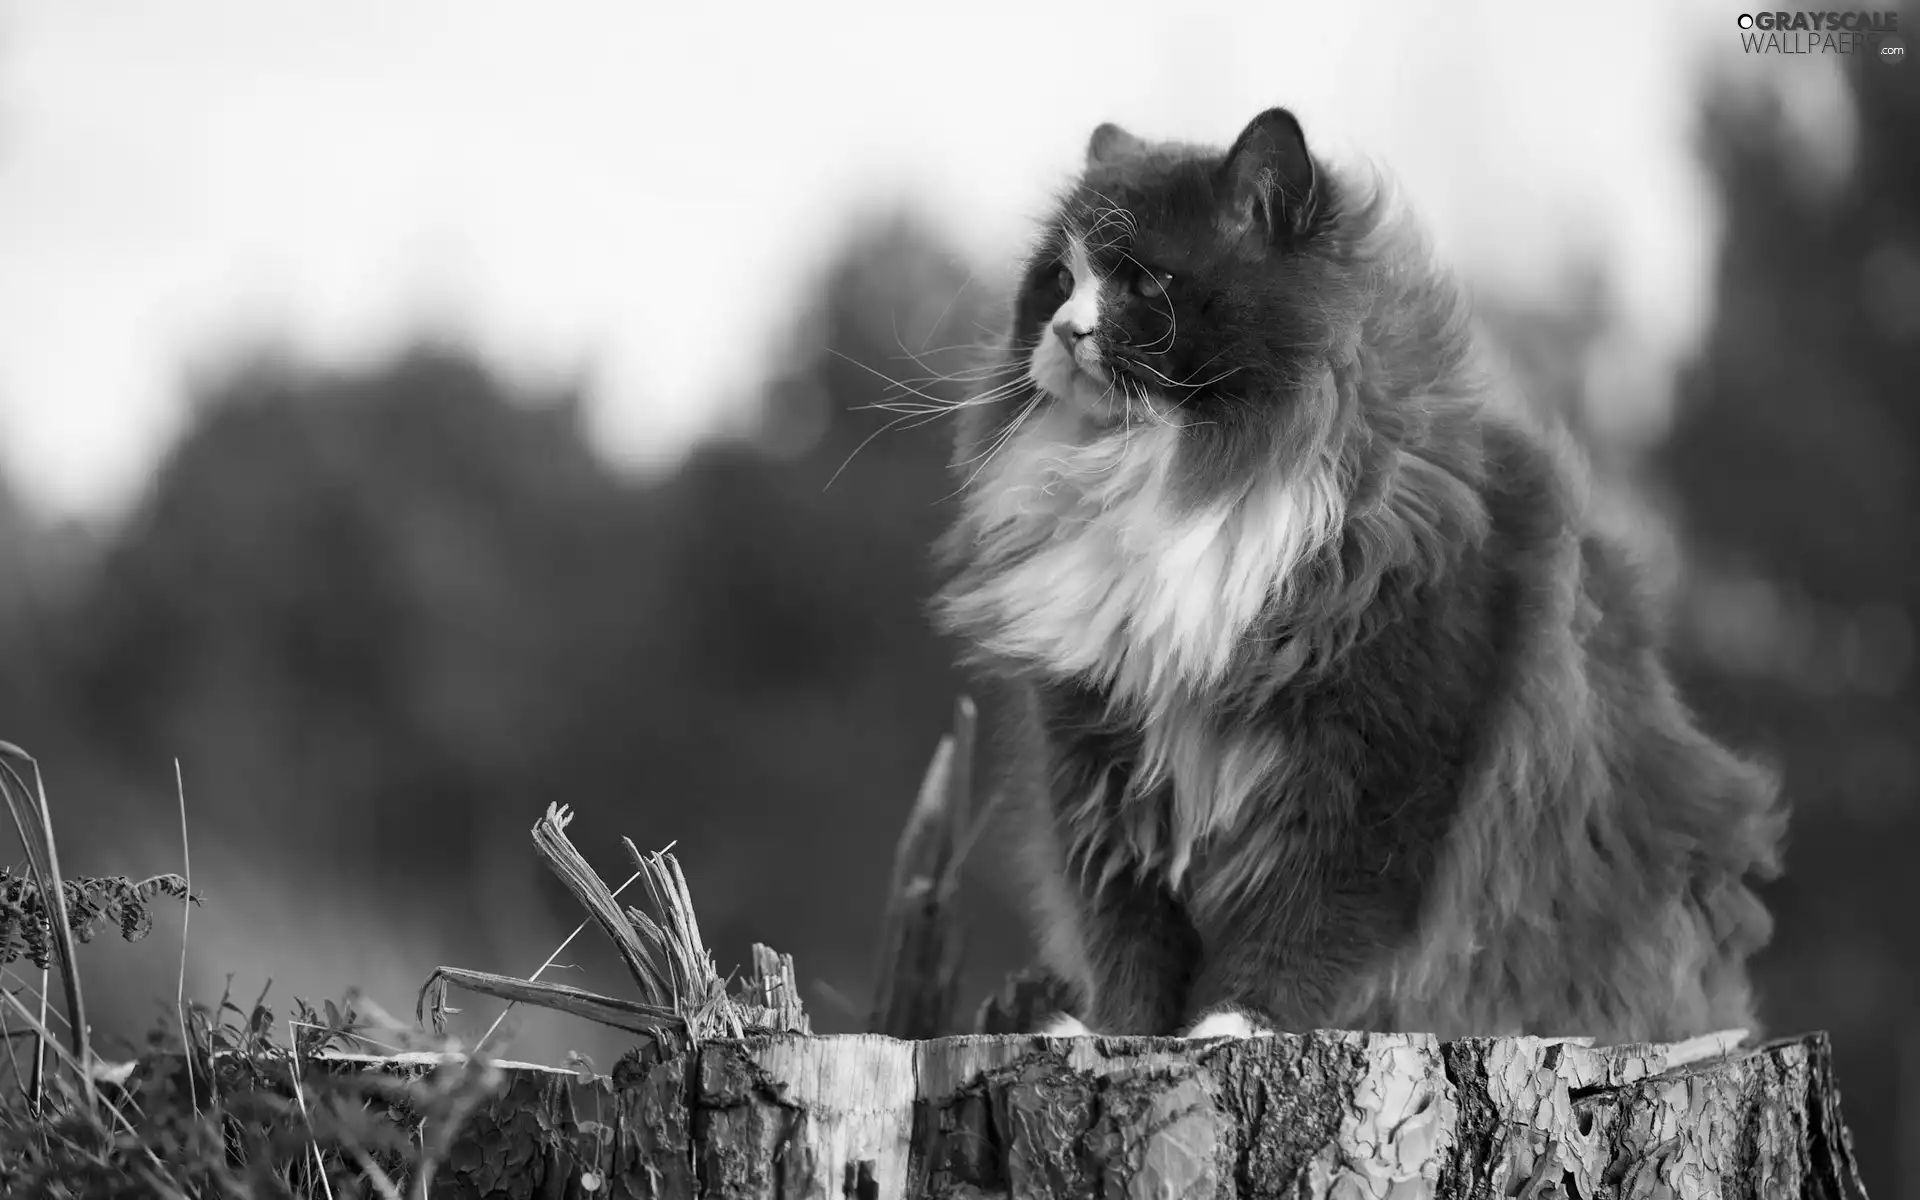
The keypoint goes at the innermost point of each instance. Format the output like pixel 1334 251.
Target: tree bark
pixel 1348 1116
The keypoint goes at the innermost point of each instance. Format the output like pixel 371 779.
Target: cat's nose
pixel 1065 330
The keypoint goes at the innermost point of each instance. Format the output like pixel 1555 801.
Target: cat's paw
pixel 1065 1025
pixel 1228 1023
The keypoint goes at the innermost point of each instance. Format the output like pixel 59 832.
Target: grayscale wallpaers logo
pixel 1871 34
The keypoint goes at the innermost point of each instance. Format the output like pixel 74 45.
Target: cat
pixel 1319 698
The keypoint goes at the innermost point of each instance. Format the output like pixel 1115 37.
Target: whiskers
pixel 1189 384
pixel 1155 408
pixel 998 442
pixel 926 398
pixel 913 402
pixel 1106 215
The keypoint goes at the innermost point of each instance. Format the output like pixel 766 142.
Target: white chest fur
pixel 1092 569
pixel 1086 566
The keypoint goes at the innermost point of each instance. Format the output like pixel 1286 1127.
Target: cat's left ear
pixel 1269 177
pixel 1110 143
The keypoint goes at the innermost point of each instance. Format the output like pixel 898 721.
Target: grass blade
pixel 34 823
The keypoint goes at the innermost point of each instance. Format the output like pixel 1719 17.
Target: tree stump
pixel 1342 1115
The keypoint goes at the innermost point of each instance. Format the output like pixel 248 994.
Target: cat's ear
pixel 1110 143
pixel 1269 177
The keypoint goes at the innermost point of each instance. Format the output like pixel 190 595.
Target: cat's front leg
pixel 1138 954
pixel 1108 919
pixel 1290 953
pixel 1227 1022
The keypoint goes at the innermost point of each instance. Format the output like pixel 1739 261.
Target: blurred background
pixel 413 414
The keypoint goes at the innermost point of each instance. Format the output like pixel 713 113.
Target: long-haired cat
pixel 1322 700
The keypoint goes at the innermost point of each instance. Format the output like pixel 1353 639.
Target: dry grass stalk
pixel 683 993
pixel 922 942
pixel 34 823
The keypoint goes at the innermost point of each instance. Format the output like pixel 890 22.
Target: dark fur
pixel 1485 810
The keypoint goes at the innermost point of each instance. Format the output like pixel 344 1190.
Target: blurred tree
pixel 792 689
pixel 351 606
pixel 20 605
pixel 384 617
pixel 1792 465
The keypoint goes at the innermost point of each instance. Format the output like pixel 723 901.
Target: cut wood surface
pixel 1351 1116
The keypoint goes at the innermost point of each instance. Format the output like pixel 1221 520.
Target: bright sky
pixel 636 190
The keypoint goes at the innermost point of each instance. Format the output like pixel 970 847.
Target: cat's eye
pixel 1152 284
pixel 1063 280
